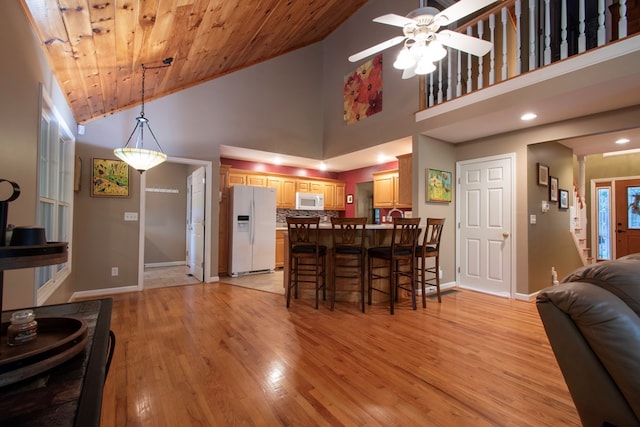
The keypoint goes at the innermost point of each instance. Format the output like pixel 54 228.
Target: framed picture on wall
pixel 438 185
pixel 109 178
pixel 553 189
pixel 543 174
pixel 564 199
pixel 349 199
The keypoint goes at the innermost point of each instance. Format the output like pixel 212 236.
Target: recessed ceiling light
pixel 277 160
pixel 323 166
pixel 528 116
pixel 622 141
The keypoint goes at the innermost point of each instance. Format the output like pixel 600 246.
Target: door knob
pixel 505 234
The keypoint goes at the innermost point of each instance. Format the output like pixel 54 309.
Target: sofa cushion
pixel 620 277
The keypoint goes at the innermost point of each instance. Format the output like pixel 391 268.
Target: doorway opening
pixel 166 224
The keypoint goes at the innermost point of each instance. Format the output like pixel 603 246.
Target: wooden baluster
pixel 440 82
pixel 518 38
pixel 602 31
pixel 431 100
pixel 582 38
pixel 449 71
pixel 547 33
pixel 532 35
pixel 469 64
pixel 480 64
pixel 459 76
pixel 492 52
pixel 622 23
pixel 564 52
pixel 505 67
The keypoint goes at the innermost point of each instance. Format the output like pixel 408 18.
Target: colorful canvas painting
pixel 438 186
pixel 363 91
pixel 109 178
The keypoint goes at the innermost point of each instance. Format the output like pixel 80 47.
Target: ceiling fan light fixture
pixel 425 67
pixel 404 60
pixel 436 51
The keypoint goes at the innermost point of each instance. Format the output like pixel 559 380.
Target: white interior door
pixel 485 237
pixel 197 221
pixel 189 258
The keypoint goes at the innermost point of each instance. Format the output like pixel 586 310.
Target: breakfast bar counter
pixel 375 235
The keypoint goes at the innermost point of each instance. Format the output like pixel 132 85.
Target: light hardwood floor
pixel 221 355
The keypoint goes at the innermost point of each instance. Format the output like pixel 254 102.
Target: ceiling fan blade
pixel 393 19
pixel 460 10
pixel 465 43
pixel 409 72
pixel 375 49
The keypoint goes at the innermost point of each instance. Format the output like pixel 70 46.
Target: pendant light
pixel 137 156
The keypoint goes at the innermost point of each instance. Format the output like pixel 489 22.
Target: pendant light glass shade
pixel 141 159
pixel 137 156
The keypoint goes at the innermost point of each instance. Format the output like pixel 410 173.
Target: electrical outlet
pixel 114 271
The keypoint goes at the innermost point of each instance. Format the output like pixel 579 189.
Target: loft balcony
pixel 571 58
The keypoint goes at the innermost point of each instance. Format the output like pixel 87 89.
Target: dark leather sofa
pixel 592 320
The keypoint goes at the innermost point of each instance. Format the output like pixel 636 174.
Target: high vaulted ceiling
pixel 96 48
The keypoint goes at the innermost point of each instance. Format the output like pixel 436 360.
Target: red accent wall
pixel 355 176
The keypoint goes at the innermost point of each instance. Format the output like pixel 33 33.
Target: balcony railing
pixel 526 35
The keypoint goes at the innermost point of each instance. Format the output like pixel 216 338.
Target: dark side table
pixel 69 394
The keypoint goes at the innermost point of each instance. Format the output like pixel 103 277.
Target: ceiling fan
pixel 423 43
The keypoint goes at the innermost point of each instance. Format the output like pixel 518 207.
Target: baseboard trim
pixel 103 292
pixel 165 264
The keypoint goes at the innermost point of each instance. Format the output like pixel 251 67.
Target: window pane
pixel 604 223
pixel 43 275
pixel 633 200
pixel 44 157
pixel 46 219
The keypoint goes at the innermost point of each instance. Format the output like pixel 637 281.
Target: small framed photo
pixel 553 189
pixel 349 199
pixel 564 199
pixel 543 174
pixel 109 178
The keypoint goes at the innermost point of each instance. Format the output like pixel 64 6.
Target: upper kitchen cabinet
pixel 404 180
pixel 257 180
pixel 285 191
pixel 334 199
pixel 309 186
pixel 386 190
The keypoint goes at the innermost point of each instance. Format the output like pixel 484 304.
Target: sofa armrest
pixel 595 337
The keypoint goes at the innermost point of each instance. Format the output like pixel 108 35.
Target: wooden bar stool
pixel 347 254
pixel 430 248
pixel 307 257
pixel 401 253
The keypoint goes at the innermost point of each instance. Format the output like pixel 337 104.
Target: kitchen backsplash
pixel 325 216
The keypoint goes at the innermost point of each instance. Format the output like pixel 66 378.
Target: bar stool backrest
pixel 348 232
pixel 405 234
pixel 432 235
pixel 303 230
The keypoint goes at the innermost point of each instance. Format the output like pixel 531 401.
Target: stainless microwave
pixel 310 201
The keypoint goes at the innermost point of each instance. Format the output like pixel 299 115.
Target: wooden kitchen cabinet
pixel 236 177
pixel 386 189
pixel 334 198
pixel 285 191
pixel 257 180
pixel 279 248
pixel 309 186
pixel 404 180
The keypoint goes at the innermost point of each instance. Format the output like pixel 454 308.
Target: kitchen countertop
pixel 327 226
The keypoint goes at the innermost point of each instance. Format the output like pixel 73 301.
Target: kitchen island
pixel 346 291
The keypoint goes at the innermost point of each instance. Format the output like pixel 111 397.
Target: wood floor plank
pixel 218 355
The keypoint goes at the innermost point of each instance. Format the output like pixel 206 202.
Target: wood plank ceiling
pixel 96 48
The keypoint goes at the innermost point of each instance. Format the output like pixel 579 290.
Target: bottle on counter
pixel 23 327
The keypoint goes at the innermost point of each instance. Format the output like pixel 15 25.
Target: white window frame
pixel 58 133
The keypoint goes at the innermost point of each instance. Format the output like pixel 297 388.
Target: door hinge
pixel 458 270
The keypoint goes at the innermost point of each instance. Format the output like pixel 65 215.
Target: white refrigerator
pixel 252 240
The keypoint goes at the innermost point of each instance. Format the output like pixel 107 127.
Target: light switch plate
pixel 532 219
pixel 131 216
